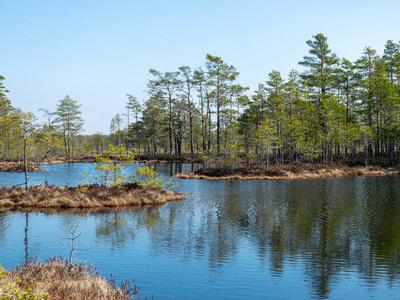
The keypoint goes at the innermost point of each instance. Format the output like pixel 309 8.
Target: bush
pixel 111 166
pixel 13 290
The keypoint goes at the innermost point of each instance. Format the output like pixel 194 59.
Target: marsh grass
pixel 87 196
pixel 295 171
pixel 81 281
pixel 17 167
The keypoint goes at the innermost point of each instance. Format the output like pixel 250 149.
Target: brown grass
pixel 62 282
pixel 295 171
pixel 45 196
pixel 17 167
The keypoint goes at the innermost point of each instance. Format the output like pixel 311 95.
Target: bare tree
pixel 75 246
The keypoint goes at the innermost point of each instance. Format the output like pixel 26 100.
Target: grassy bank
pixel 295 171
pixel 88 196
pixel 60 280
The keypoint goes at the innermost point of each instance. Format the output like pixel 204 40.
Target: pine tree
pixel 220 77
pixel 320 78
pixel 166 83
pixel 69 120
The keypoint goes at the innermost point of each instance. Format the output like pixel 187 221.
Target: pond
pixel 280 239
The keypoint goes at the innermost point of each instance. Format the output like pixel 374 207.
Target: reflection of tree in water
pixel 222 231
pixel 328 226
pixel 26 236
pixel 115 230
pixel 383 229
pixel 333 227
pixel 3 227
pixel 210 230
pixel 325 226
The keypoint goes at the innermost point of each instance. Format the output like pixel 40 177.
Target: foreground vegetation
pixel 56 278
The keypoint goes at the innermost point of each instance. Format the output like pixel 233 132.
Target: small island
pixel 110 188
pixel 86 196
pixel 295 171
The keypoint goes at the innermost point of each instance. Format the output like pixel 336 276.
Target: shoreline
pixel 278 173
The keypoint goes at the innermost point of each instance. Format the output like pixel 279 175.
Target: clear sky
pixel 97 51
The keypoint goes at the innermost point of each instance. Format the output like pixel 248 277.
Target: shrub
pixel 13 291
pixel 112 173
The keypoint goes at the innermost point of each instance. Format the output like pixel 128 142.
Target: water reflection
pixel 320 231
pixel 26 236
pixel 114 230
pixel 3 228
pixel 331 226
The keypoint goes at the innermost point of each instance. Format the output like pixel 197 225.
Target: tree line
pixel 334 110
pixel 22 137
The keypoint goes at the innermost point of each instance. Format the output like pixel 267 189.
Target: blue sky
pixel 97 51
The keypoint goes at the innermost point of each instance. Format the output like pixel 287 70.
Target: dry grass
pixel 91 196
pixel 16 167
pixel 56 277
pixel 295 171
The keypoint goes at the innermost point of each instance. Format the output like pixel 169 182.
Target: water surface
pixel 335 238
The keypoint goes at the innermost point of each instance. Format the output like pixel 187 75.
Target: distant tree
pixel 186 89
pixel 239 99
pixel 392 60
pixel 267 138
pixel 3 90
pixel 6 123
pixel 116 127
pixel 220 77
pixel 48 114
pixel 320 77
pixel 69 120
pixel 26 129
pixel 153 124
pixel 199 80
pixel 365 68
pixel 321 65
pixel 276 104
pixel 133 105
pixel 167 83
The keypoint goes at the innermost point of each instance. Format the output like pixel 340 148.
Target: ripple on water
pixel 318 238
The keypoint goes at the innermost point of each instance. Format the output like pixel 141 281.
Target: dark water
pixel 335 238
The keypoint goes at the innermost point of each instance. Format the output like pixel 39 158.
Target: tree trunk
pixel 25 166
